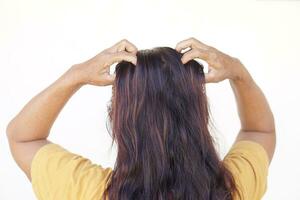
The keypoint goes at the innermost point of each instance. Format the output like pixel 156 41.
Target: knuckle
pixel 124 41
pixel 210 48
pixel 124 54
pixel 194 53
pixel 105 51
pixel 194 40
pixel 197 51
pixel 213 56
pixel 117 55
pixel 103 56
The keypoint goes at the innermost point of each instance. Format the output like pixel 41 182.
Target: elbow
pixel 10 130
pixel 272 124
pixel 265 125
pixel 18 133
pixel 268 125
pixel 270 128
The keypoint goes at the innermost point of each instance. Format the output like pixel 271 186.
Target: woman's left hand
pixel 96 71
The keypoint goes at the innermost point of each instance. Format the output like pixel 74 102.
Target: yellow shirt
pixel 58 174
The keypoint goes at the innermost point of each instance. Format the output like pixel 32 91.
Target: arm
pixel 257 121
pixel 28 131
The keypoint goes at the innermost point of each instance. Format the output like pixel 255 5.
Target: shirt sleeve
pixel 248 162
pixel 59 174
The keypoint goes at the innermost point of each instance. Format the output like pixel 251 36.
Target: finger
pixel 109 79
pixel 209 77
pixel 122 55
pixel 192 43
pixel 123 45
pixel 184 44
pixel 195 53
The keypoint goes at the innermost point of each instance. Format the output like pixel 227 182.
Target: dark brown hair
pixel 159 119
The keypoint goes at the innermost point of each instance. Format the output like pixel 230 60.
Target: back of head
pixel 159 119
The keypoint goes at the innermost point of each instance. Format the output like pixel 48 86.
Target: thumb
pixel 209 77
pixel 110 78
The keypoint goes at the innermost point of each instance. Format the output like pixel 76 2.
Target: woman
pixel 159 118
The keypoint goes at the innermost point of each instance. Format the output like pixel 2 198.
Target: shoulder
pixel 248 162
pixel 62 174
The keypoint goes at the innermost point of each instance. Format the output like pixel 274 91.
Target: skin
pixel 257 121
pixel 27 132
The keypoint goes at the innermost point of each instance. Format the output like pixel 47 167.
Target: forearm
pixel 36 118
pixel 253 108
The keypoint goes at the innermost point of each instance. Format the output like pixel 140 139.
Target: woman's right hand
pixel 220 65
pixel 96 70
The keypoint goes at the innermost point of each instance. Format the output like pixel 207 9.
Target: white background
pixel 39 40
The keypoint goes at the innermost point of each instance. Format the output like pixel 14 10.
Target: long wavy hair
pixel 159 117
